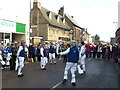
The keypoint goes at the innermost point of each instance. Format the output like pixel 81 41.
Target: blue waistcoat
pixel 8 50
pixel 73 55
pixel 22 53
pixel 44 52
pixel 1 52
pixel 52 50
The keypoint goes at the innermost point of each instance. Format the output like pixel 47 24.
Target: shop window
pixel 7 35
pixel 1 37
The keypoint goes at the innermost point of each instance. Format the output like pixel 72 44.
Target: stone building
pixel 85 36
pixel 118 36
pixel 48 26
pixel 77 30
pixel 112 40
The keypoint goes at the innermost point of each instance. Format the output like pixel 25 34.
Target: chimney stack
pixel 36 3
pixel 61 11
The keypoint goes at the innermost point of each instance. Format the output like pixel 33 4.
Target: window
pixel 56 32
pixel 63 20
pixel 49 15
pixel 53 32
pixel 63 32
pixel 57 18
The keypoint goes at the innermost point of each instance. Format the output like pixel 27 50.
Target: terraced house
pixel 47 25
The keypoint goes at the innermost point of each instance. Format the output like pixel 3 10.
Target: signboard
pixel 33 26
pixel 7 26
pixel 20 28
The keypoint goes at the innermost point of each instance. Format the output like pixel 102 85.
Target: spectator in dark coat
pixel 115 53
pixel 32 51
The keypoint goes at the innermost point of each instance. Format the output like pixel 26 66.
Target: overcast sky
pixel 95 15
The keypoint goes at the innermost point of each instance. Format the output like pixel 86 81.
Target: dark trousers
pixel 88 54
pixel 12 62
pixel 65 58
pixel 33 56
pixel 99 54
pixel 94 54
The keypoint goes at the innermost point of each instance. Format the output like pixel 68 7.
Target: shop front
pixel 11 31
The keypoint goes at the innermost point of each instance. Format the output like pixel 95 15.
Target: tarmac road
pixel 99 74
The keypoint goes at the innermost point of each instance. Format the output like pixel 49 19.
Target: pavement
pixel 99 74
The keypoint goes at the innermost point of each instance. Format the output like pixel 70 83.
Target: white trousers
pixel 21 65
pixel 80 71
pixel 8 59
pixel 72 67
pixel 52 56
pixel 82 62
pixel 43 62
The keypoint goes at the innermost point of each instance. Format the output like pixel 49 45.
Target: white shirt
pixel 65 52
pixel 41 51
pixel 99 49
pixel 82 51
pixel 57 48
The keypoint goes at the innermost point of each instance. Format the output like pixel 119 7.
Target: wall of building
pixel 85 38
pixel 119 14
pixel 55 33
pixel 77 34
pixel 19 37
pixel 43 31
pixel 113 41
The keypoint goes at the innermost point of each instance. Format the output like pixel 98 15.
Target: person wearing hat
pixel 52 51
pixel 73 57
pixel 21 57
pixel 43 57
pixel 82 56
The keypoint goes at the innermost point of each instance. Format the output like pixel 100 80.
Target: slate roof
pixel 53 21
pixel 72 20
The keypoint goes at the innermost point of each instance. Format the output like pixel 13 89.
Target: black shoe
pixel 82 74
pixel 74 84
pixel 22 74
pixel 64 81
pixel 43 69
pixel 19 75
pixel 11 69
